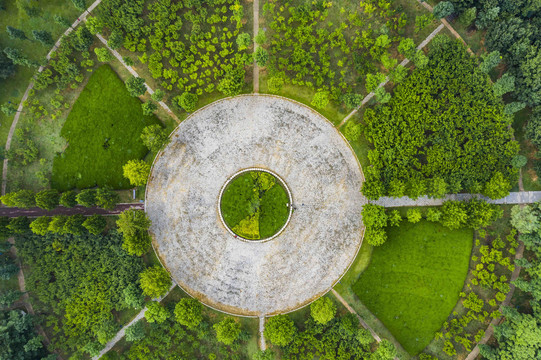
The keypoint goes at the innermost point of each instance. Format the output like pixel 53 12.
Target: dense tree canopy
pixel 442 121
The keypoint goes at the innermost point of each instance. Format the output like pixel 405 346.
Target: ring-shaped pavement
pixel 256 278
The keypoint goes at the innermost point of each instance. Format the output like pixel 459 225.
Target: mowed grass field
pixel 413 280
pixel 103 132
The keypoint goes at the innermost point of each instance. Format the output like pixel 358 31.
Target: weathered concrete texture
pixel 314 250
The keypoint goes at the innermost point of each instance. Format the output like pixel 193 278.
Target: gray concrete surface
pixel 314 250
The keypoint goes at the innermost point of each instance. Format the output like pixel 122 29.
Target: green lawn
pixel 254 205
pixel 103 132
pixel 413 280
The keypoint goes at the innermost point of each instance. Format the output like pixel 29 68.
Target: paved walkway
pixel 80 19
pixel 521 197
pixel 262 343
pixel 122 331
pixel 256 30
pixel 134 73
pixel 86 211
pixel 403 63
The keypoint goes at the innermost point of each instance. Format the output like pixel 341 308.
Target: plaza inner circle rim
pixel 284 185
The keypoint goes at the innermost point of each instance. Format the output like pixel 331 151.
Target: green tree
pixel 8 109
pixel 438 187
pixel 133 224
pixel 433 215
pixel 187 101
pixel 497 187
pixel 490 61
pixel 44 37
pixel 398 74
pixel 525 219
pixel 227 331
pixel 40 225
pixel 321 99
pixel 81 39
pixel 385 351
pixel 94 25
pixel 74 225
pixel 15 33
pixel 47 199
pixel 8 269
pixel 137 172
pixel 414 215
pixel 21 198
pixel 155 281
pixel 454 214
pixel 352 100
pixel 19 225
pixel 17 58
pixel 261 37
pixel 188 312
pixel 374 216
pixel 106 198
pixel 156 312
pixel 323 310
pixel 468 16
pixel 504 84
pixel 352 131
pixel 275 84
pixel 519 161
pixel 373 81
pixel 133 297
pixel 233 81
pixel 79 4
pixel 420 60
pixel 375 236
pixel 136 86
pixel 443 9
pixel 513 107
pixel 394 218
pixel 243 41
pixel 261 56
pixel 154 137
pixel 86 198
pixel 115 40
pixel 280 330
pixel 381 95
pixel 157 95
pixel 8 298
pixel 56 225
pixel 263 355
pixel 103 54
pixel 135 332
pixel 407 47
pixel 7 69
pixel 95 224
pixel 68 199
pixel 149 107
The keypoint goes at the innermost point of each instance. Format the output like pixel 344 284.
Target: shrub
pixel 68 199
pixel 321 99
pixel 261 37
pixel 135 332
pixel 394 218
pixel 21 198
pixel 106 198
pixel 188 312
pixel 156 312
pixel 414 215
pixel 137 172
pixel 133 297
pixel 232 82
pixel 275 84
pixel 468 16
pixel 519 161
pixel 149 107
pixel 79 4
pixel 40 225
pixel 187 101
pixel 95 224
pixel 103 54
pixel 47 199
pixel 154 136
pixel 352 131
pixel 374 216
pixel 407 47
pixel 86 198
pixel 261 56
pixel 243 41
pixel 136 86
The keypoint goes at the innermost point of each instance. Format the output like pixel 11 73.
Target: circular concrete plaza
pixel 242 277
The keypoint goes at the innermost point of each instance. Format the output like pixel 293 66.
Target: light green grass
pixel 103 132
pixel 414 279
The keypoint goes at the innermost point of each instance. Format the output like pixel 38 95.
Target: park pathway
pixel 80 19
pixel 61 210
pixel 119 335
pixel 134 73
pixel 521 197
pixel 403 63
pixel 262 343
pixel 256 30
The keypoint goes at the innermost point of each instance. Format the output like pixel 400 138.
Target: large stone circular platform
pixel 256 278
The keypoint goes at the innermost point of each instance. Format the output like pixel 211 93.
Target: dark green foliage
pixel 149 107
pixel 56 225
pixel 533 129
pixel 8 268
pixel 133 224
pixel 513 107
pixel 47 199
pixel 44 37
pixel 468 16
pixel 15 33
pixel 280 330
pixel 19 340
pixel 443 9
pixel 17 58
pixel 464 139
pixel 40 226
pixel 519 161
pixel 106 198
pixel 103 130
pixel 490 61
pixel 420 269
pixel 81 39
pixel 62 21
pixel 263 355
pixel 136 86
pixel 68 199
pixel 135 332
pixel 7 68
pixel 337 338
pixel 74 225
pixel 115 40
pixel 233 81
pixel 21 198
pixel 87 197
pixel 68 273
pixel 261 56
pixel 188 312
pixel 187 101
pixel 95 224
pixel 8 298
pixel 133 296
pixel 504 84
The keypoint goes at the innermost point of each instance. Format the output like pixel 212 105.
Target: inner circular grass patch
pixel 254 205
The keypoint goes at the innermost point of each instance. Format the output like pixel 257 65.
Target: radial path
pixel 256 278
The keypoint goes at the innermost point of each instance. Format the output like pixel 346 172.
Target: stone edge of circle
pixel 310 301
pixel 284 185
